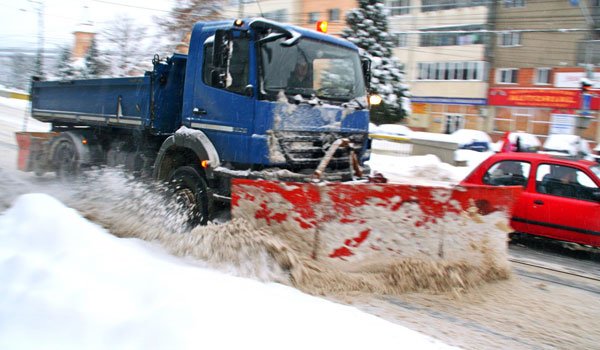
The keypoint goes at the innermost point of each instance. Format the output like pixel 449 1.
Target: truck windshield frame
pixel 310 68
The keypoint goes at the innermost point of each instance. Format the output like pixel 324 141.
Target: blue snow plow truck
pixel 252 99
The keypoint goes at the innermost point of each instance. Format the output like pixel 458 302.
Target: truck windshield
pixel 311 68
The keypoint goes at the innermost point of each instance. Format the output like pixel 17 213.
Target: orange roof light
pixel 238 23
pixel 322 26
pixel 204 164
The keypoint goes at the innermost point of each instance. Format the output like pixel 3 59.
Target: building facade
pixel 443 46
pixel 542 52
pixel 287 11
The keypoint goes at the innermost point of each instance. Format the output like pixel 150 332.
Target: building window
pixel 400 39
pixel 334 15
pixel 513 3
pixel 507 76
pixel 399 7
pixel 510 39
pixel 439 5
pixel 452 36
pixel 472 70
pixel 542 76
pixel 313 17
pixel 277 15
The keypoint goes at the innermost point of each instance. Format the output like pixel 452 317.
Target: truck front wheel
pixel 190 190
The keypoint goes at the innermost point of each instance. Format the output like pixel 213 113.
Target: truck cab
pixel 242 89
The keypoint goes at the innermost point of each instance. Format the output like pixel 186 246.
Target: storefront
pixel 540 112
pixel 446 115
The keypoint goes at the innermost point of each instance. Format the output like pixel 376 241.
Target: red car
pixel 560 199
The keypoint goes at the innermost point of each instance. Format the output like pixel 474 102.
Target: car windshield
pixel 310 68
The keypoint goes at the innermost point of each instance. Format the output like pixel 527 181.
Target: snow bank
pixel 67 284
pixel 14 103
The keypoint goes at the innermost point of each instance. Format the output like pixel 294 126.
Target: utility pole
pixel 39 62
pixel 241 9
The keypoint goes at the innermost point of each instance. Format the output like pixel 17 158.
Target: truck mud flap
pixel 31 149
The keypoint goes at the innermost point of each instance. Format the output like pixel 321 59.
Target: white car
pixel 572 145
pixel 475 140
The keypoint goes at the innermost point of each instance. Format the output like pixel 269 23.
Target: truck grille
pixel 304 150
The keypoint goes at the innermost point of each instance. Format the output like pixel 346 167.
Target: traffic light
pixel 586 87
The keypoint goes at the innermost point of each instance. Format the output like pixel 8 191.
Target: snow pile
pixel 14 103
pixel 419 170
pixel 67 284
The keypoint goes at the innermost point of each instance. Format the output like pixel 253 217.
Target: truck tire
pixel 66 160
pixel 190 190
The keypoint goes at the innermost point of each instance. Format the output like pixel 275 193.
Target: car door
pixel 511 172
pixel 563 209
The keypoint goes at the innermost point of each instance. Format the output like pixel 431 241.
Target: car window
pixel 564 181
pixel 507 173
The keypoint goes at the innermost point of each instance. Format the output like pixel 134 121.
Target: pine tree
pixel 95 67
pixel 367 28
pixel 185 14
pixel 22 67
pixel 64 68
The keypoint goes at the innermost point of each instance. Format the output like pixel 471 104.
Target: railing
pixel 417 145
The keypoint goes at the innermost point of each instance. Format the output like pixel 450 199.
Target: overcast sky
pixel 19 19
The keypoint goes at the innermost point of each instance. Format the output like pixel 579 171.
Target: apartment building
pixel 288 11
pixel 334 12
pixel 542 51
pixel 443 45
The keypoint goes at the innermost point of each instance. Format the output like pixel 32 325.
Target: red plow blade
pixel 362 221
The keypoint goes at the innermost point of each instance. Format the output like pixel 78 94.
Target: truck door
pixel 226 113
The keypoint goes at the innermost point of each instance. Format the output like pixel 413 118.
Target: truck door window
pixel 507 173
pixel 238 65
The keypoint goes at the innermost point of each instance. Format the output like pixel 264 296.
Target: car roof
pixel 539 157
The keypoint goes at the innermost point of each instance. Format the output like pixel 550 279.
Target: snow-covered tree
pixel 180 20
pixel 95 66
pixel 64 68
pixel 22 67
pixel 367 28
pixel 125 50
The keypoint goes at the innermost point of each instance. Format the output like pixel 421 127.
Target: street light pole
pixel 39 62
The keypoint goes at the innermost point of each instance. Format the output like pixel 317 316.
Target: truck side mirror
pixel 366 68
pixel 222 48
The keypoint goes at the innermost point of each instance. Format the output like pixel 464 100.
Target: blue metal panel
pixel 168 95
pixel 123 101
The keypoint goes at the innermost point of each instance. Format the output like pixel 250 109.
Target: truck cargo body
pixel 152 102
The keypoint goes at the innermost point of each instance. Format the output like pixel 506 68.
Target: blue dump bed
pixel 151 102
